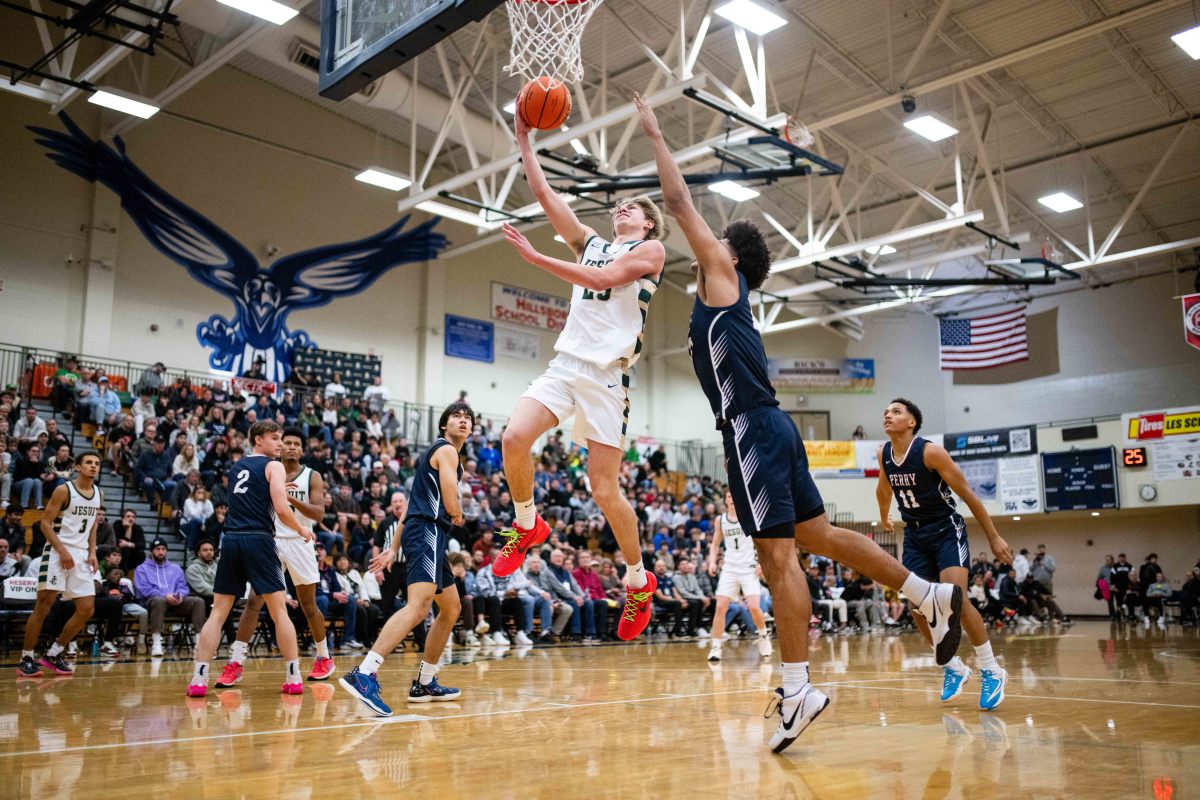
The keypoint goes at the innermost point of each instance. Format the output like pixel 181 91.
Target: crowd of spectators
pixel 1143 591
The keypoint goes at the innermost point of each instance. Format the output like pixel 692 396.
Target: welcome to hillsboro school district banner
pixel 842 375
pixel 529 308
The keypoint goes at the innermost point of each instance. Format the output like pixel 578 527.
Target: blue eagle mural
pixel 263 296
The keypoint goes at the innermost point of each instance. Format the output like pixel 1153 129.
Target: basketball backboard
pixel 363 39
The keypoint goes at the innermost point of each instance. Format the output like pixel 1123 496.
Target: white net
pixel 546 35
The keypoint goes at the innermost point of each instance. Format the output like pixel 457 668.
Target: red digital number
pixel 1135 456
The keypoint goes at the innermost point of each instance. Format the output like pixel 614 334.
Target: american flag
pixel 982 342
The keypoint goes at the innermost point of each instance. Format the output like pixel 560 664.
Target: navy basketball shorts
pixel 768 474
pixel 424 544
pixel 252 558
pixel 936 546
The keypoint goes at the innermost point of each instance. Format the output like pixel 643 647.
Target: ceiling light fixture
pixel 511 108
pixel 124 102
pixel 378 176
pixel 263 9
pixel 880 249
pixel 930 127
pixel 1060 202
pixel 457 214
pixel 734 191
pixel 751 16
pixel 1189 40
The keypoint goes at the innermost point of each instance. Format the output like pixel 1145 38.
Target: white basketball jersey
pixel 74 522
pixel 297 489
pixel 605 327
pixel 739 547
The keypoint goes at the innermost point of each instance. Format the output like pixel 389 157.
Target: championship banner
pixel 843 375
pixel 529 308
pixel 1020 487
pixel 253 386
pixel 990 444
pixel 1162 424
pixel 1191 319
pixel 831 455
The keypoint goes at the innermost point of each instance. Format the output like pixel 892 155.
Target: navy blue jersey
pixel 728 356
pixel 250 506
pixel 426 500
pixel 921 494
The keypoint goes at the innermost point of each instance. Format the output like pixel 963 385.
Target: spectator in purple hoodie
pixel 162 587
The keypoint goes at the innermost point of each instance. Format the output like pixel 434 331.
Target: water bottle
pixel 96 646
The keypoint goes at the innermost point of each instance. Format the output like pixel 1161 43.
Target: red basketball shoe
pixel 639 606
pixel 322 669
pixel 230 676
pixel 512 556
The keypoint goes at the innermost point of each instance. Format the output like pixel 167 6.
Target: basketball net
pixel 546 36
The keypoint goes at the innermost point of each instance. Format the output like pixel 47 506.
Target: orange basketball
pixel 544 103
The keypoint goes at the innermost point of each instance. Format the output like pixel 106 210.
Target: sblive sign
pixel 1162 424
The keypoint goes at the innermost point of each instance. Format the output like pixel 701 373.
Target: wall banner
pixel 469 338
pixel 981 477
pixel 1164 423
pixel 831 455
pixel 843 375
pixel 526 307
pixel 990 444
pixel 517 343
pixel 1020 487
pixel 1176 459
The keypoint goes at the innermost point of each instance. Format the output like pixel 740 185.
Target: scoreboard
pixel 1080 479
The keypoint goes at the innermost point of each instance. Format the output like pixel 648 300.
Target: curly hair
pixel 750 247
pixel 913 411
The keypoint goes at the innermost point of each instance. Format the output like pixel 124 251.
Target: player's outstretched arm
pixel 314 509
pixel 717 276
pixel 645 259
pixel 277 483
pixel 561 217
pixel 937 459
pixel 58 499
pixel 883 494
pixel 446 462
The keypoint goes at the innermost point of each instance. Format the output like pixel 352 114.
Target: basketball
pixel 544 103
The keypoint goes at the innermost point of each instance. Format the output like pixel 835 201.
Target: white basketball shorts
pixel 597 396
pixel 735 581
pixel 299 558
pixel 75 582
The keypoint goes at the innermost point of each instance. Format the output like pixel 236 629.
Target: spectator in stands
pixel 85 395
pixel 120 439
pixel 214 526
pixel 614 589
pixel 55 438
pixel 1043 567
pixel 201 572
pixel 335 391
pixel 183 490
pixel 131 541
pixel 10 565
pixel 29 427
pixel 105 407
pixel 551 610
pixel 559 582
pixel 588 581
pixel 367 615
pixel 464 584
pixel 1157 592
pixel 116 585
pixel 142 410
pixel 162 587
pixel 28 475
pixel 195 430
pixel 658 460
pixel 859 433
pixel 215 462
pixel 196 511
pixel 376 395
pixel 6 467
pixel 1148 571
pixel 668 598
pixel 63 393
pixel 153 473
pixel 13 532
pixel 256 370
pixel 687 586
pixel 1105 586
pixel 59 468
pixel 1122 575
pixel 185 462
pixel 151 381
pixel 861 599
pixel 1189 596
pixel 106 537
pixel 1032 592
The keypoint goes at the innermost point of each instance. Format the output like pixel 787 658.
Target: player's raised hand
pixel 646 114
pixel 517 239
pixel 382 562
pixel 1001 550
pixel 520 126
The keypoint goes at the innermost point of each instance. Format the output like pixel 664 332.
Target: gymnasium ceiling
pixel 1104 113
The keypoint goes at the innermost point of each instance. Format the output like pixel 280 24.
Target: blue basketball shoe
pixel 432 692
pixel 366 689
pixel 957 675
pixel 992 683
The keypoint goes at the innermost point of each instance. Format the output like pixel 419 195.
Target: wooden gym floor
pixel 1092 711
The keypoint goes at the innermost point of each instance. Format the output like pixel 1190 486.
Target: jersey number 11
pixel 906 498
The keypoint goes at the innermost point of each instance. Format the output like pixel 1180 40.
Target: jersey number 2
pixel 906 498
pixel 240 486
pixel 588 294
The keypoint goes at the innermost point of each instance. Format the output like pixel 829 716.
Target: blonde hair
pixel 652 212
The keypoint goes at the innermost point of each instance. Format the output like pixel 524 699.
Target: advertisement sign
pixel 990 444
pixel 470 338
pixel 848 375
pixel 1176 459
pixel 1191 319
pixel 253 386
pixel 1020 490
pixel 981 477
pixel 20 589
pixel 1164 423
pixel 516 343
pixel 830 455
pixel 529 308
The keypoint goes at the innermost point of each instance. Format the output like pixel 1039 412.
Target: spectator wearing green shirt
pixel 63 392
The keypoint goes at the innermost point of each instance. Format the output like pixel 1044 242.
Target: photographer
pixel 1042 569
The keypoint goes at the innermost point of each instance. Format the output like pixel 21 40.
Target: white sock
pixel 371 663
pixel 323 648
pixel 916 589
pixel 200 674
pixel 716 640
pixel 27 654
pixel 957 665
pixel 635 575
pixel 795 676
pixel 985 658
pixel 237 653
pixel 54 650
pixel 526 513
pixel 293 672
pixel 427 673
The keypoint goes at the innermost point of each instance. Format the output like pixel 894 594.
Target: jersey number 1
pixel 240 486
pixel 906 498
pixel 588 294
